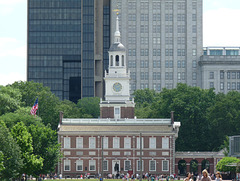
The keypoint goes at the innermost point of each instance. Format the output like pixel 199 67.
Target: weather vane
pixel 116 10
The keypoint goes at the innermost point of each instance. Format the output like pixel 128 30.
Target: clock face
pixel 117 87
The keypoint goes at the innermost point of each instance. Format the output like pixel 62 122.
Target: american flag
pixel 34 108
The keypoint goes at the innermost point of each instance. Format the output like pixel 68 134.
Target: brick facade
pixel 122 154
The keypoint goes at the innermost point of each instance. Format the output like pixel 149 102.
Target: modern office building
pixel 220 68
pixel 67 48
pixel 164 41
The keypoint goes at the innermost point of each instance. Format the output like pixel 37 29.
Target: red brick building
pixel 81 141
pixel 111 144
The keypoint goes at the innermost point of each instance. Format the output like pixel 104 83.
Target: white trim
pixel 167 165
pixel 165 142
pixel 67 163
pixel 67 142
pixel 150 165
pixel 152 142
pixel 114 140
pixel 77 142
pixel 94 161
pixel 125 164
pixel 89 145
pixel 119 115
pixel 113 164
pixel 105 142
pixel 81 163
pixel 127 140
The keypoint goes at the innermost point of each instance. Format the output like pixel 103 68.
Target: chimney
pixel 172 117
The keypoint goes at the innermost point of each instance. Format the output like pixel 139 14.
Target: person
pixel 60 176
pixel 205 176
pixel 188 177
pixel 199 177
pixel 218 176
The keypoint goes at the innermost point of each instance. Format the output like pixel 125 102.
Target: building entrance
pixel 115 167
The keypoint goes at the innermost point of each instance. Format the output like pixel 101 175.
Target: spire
pixel 117 32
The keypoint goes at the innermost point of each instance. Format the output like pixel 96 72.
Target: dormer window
pixel 117 60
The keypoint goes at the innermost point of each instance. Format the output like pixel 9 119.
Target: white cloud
pixel 12 47
pixel 10 2
pixel 7 40
pixel 11 77
pixel 8 7
pixel 221 27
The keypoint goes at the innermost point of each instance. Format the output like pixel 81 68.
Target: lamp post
pixel 102 159
pixel 140 156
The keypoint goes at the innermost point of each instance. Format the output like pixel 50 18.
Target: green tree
pixel 144 96
pixel 227 164
pixel 90 106
pixel 47 101
pixel 70 109
pixel 12 160
pixel 10 99
pixel 1 162
pixel 21 115
pixel 31 162
pixel 225 146
pixel 190 105
pixel 224 117
pixel 45 144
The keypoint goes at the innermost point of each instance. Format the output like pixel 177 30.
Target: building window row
pixel 168 64
pixel 156 75
pixel 116 141
pixel 144 64
pixel 181 5
pixel 230 86
pixel 168 75
pixel 143 86
pixel 127 165
pixel 157 87
pixel 181 63
pixel 181 75
pixel 156 17
pixel 144 17
pixel 168 17
pixel 144 75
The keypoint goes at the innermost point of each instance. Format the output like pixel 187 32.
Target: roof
pixel 117 47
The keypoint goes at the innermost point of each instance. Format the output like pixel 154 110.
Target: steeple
pixel 117 34
pixel 117 102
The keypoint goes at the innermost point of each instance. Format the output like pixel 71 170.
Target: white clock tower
pixel 117 94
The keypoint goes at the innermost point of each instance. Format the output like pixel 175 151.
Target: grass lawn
pixel 98 180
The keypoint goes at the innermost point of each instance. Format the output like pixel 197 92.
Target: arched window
pixel 182 167
pixel 117 60
pixel 111 61
pixel 122 60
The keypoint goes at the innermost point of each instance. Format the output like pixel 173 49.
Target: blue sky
pixel 221 27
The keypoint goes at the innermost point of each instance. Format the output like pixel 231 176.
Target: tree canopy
pixel 30 142
pixel 227 164
pixel 11 153
pixel 206 117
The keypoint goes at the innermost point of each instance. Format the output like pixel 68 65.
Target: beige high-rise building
pixel 163 39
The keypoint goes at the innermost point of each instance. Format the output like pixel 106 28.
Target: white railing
pixel 115 121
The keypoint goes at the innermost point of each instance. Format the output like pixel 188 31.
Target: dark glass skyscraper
pixel 68 42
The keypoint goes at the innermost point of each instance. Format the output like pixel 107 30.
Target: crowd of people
pixel 205 176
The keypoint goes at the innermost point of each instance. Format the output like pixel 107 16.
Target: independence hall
pixel 111 143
